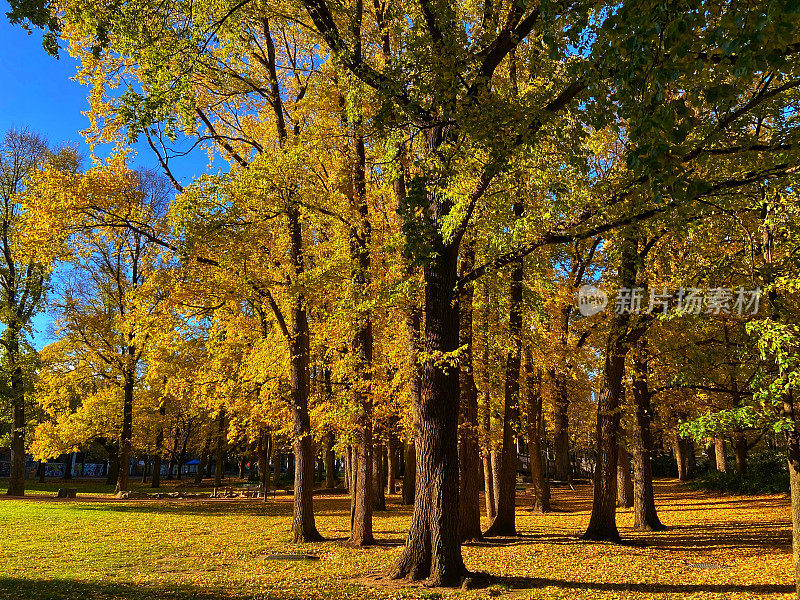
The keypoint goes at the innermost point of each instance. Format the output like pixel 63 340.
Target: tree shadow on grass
pixel 528 583
pixel 13 588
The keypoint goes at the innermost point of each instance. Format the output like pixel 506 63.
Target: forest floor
pixel 714 547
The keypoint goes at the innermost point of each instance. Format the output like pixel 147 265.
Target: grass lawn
pixel 100 548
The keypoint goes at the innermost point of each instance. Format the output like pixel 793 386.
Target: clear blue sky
pixel 36 91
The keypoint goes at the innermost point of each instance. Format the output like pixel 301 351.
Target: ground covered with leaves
pixel 97 548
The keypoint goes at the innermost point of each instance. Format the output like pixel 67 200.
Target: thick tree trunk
pixel 468 449
pixel 16 482
pixel 409 474
pixel 624 481
pixel 433 545
pixel 645 517
pixel 222 444
pixel 330 462
pixel 603 520
pixel 40 471
pixel 563 467
pixel 504 522
pixel 721 462
pixel 540 489
pixel 127 435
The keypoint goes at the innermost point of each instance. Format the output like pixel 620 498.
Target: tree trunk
pixel 155 481
pixel 409 474
pixel 378 495
pixel 540 489
pixel 488 471
pixel 113 466
pixel 721 462
pixel 348 460
pixel 276 467
pixel 304 528
pixel 68 459
pixel 740 452
pixel 793 453
pixel 680 449
pixel 40 471
pixel 563 467
pixel 504 522
pixel 645 517
pixel 488 485
pixel 127 435
pixel 222 443
pixel 391 466
pixel 330 462
pixel 433 544
pixel 624 481
pixel 468 450
pixel 16 482
pixel 496 458
pixel 205 456
pixel 603 520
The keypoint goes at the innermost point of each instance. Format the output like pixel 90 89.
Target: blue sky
pixel 36 91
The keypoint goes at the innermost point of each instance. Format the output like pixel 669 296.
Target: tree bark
pixel 16 482
pixel 126 435
pixel 488 485
pixel 113 465
pixel 540 489
pixel 378 495
pixel 504 522
pixel 409 474
pixel 721 462
pixel 468 449
pixel 330 462
pixel 222 444
pixel 433 545
pixel 645 517
pixel 563 466
pixel 603 522
pixel 391 466
pixel 276 467
pixel 486 421
pixel 68 458
pixel 624 481
pixel 496 460
pixel 793 454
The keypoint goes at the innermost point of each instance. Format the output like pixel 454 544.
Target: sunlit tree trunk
pixel 540 489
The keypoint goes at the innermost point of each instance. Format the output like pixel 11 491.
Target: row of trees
pixel 412 195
